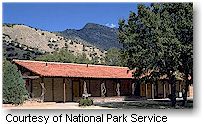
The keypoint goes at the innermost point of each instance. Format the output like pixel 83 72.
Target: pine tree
pixel 14 91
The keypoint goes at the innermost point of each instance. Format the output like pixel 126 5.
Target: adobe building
pixel 64 82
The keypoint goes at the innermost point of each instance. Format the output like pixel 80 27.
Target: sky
pixel 62 16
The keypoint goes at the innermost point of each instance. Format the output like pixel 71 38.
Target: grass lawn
pixel 146 104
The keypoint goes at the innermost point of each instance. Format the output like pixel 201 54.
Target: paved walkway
pixel 50 105
pixel 74 105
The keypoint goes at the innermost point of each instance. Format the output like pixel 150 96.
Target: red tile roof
pixel 56 69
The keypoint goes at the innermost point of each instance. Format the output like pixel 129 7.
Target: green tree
pixel 82 59
pixel 61 56
pixel 182 15
pixel 113 57
pixel 64 56
pixel 94 60
pixel 154 40
pixel 14 90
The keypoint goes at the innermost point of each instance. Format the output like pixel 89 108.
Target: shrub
pixel 85 102
pixel 71 43
pixel 14 91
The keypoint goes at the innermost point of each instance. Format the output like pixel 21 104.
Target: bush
pixel 14 91
pixel 85 102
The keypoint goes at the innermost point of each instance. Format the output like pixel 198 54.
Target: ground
pixel 136 104
pixel 50 105
pixel 147 104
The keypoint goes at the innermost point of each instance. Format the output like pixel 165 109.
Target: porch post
pixel 152 90
pixel 89 89
pixel 31 88
pixel 118 89
pixel 53 98
pixel 180 86
pixel 169 88
pixel 103 89
pixel 42 90
pixel 146 89
pixel 27 85
pixel 64 89
pixel 85 88
pixel 164 91
pixel 133 88
pixel 71 82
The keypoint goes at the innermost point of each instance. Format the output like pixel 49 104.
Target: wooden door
pixel 75 90
pixel 143 90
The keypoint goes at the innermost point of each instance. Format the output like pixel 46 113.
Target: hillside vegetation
pixel 19 40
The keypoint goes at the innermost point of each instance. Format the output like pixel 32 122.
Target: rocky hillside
pixel 17 51
pixel 101 36
pixel 25 38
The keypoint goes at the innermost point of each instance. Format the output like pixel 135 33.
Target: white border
pixel 174 116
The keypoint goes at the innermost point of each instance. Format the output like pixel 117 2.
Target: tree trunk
pixel 137 88
pixel 172 81
pixel 185 91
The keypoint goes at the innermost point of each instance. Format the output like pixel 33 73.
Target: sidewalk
pixel 50 105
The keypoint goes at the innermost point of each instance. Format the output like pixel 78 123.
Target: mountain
pixel 24 42
pixel 100 36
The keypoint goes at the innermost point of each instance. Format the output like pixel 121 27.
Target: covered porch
pixel 66 89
